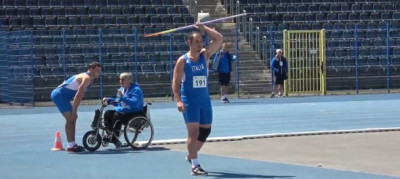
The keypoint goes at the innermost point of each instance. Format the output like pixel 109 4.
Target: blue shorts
pixel 62 100
pixel 201 114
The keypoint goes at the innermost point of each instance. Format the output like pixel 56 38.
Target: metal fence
pixel 360 54
pixel 16 74
pixel 45 58
pixel 357 59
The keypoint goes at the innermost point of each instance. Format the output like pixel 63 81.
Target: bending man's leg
pixel 70 125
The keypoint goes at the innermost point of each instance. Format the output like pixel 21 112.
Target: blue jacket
pixel 131 102
pixel 224 60
pixel 279 69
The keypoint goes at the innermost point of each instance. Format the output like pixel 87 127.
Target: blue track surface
pixel 28 134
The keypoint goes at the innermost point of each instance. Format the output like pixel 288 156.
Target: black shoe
pixel 75 149
pixel 116 142
pixel 197 170
pixel 226 100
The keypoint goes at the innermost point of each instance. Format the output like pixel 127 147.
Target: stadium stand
pixel 66 33
pixel 64 37
pixel 366 30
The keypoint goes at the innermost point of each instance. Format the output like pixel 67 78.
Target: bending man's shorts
pixel 61 100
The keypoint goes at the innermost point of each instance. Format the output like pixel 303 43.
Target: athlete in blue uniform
pixel 74 89
pixel 190 88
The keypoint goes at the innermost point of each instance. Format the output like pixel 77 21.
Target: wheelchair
pixel 138 131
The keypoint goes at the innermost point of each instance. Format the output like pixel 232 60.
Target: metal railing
pixel 365 64
pixel 52 59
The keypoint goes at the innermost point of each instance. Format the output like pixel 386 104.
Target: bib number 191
pixel 199 81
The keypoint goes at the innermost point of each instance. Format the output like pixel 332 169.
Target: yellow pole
pixel 286 49
pixel 323 59
pixel 302 47
pixel 315 66
pixel 298 77
pixel 308 64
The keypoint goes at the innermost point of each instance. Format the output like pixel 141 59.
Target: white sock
pixel 195 162
pixel 71 144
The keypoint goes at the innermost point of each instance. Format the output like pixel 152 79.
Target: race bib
pixel 199 81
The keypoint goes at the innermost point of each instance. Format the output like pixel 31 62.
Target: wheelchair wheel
pixel 139 132
pixel 91 141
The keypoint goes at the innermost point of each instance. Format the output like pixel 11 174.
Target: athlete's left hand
pixel 199 26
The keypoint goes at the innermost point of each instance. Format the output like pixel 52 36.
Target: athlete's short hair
pixel 190 35
pixel 93 65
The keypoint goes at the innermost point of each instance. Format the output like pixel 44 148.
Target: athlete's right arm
pixel 79 94
pixel 176 82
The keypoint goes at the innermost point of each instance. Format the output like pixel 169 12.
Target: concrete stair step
pixel 253 71
pixel 255 91
pixel 255 78
pixel 258 90
pixel 223 25
pixel 255 81
pixel 243 69
pixel 221 13
pixel 255 75
pixel 202 3
pixel 263 84
pixel 245 48
pixel 252 57
pixel 213 9
pixel 251 62
pixel 247 52
pixel 263 87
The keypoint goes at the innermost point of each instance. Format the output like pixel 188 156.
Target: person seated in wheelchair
pixel 127 105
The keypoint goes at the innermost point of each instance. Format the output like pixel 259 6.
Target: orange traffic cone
pixel 57 143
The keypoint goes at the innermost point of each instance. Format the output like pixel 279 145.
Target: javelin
pixel 191 26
